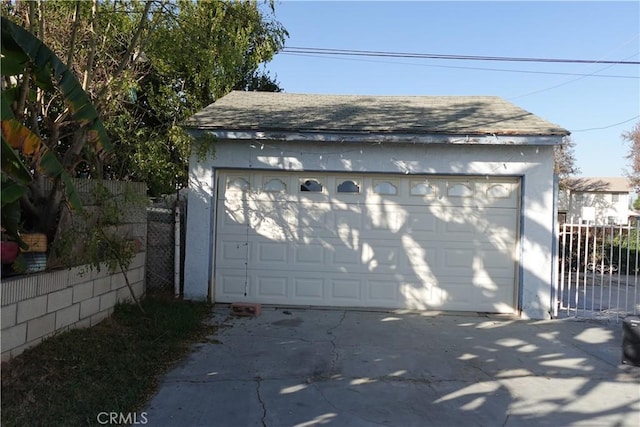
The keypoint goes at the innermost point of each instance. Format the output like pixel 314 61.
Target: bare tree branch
pixel 126 57
pixel 88 71
pixel 74 32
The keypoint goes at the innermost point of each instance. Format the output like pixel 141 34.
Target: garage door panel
pixel 497 261
pixel 419 259
pixel 346 290
pixel 272 252
pixel 418 222
pixel 381 292
pixel 232 251
pixel 309 288
pixel 380 256
pixel 271 286
pixel 234 214
pixel 346 221
pixel 455 260
pixel 231 285
pixel 401 242
pixel 504 219
pixel 310 254
pixel 386 219
pixel 459 225
pixel 314 216
pixel 343 254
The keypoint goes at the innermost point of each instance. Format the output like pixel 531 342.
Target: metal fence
pixel 161 268
pixel 598 271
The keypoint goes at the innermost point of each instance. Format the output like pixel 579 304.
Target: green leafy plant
pixel 29 158
pixel 36 173
pixel 101 236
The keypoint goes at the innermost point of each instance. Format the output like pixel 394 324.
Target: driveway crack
pixel 334 348
pixel 258 381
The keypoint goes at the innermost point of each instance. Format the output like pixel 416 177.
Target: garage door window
pixel 499 191
pixel 460 190
pixel 386 188
pixel 422 189
pixel 275 186
pixel 311 185
pixel 348 187
pixel 237 184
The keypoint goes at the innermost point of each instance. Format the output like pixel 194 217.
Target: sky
pixel 591 100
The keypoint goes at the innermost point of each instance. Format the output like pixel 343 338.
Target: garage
pixel 364 240
pixel 439 203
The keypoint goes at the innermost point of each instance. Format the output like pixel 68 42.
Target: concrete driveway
pixel 304 367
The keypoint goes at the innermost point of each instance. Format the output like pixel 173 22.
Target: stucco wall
pixel 603 206
pixel 534 164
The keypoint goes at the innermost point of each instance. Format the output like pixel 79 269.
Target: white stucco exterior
pixel 530 159
pixel 595 207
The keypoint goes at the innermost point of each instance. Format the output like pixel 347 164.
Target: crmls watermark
pixel 119 418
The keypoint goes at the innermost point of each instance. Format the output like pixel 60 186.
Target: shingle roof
pixel 600 185
pixel 264 111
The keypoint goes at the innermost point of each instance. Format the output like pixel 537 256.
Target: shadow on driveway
pixel 306 367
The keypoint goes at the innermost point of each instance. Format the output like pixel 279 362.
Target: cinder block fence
pixel 37 306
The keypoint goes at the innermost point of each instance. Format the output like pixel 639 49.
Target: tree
pixel 30 69
pixel 565 161
pixel 147 66
pixel 198 54
pixel 633 138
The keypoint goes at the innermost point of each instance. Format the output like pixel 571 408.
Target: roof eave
pixel 384 137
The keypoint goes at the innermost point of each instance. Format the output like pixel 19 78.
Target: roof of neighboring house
pixel 269 111
pixel 600 185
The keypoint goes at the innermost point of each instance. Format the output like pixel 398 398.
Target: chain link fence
pixel 161 247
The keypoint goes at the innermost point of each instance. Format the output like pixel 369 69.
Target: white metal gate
pixel 598 271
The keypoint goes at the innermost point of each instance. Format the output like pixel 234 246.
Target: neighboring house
pixel 595 201
pixel 410 202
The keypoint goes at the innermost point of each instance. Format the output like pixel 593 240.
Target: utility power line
pixel 607 126
pixel 371 53
pixel 503 70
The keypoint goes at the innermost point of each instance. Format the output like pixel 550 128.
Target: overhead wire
pixel 471 68
pixel 607 126
pixel 566 82
pixel 343 53
pixel 353 52
pixel 579 78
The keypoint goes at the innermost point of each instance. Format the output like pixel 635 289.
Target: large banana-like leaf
pixel 18 43
pixel 15 177
pixel 20 137
pixel 52 166
pixel 11 192
pixel 13 166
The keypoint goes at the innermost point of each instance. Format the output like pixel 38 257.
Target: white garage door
pixel 391 241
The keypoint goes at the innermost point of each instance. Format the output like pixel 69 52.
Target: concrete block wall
pixel 36 306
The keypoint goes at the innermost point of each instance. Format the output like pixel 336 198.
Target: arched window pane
pixel 348 187
pixel 498 191
pixel 238 184
pixel 421 189
pixel 460 190
pixel 385 187
pixel 275 186
pixel 311 185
